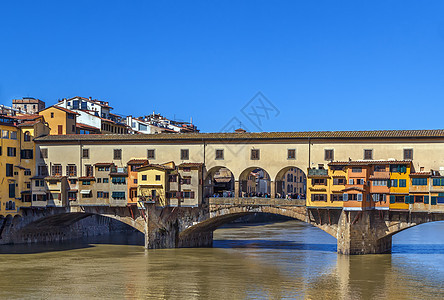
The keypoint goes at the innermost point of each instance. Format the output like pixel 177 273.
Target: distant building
pixel 28 105
pixel 60 120
pixel 156 123
pixel 294 182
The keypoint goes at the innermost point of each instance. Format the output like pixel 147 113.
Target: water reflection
pixel 282 260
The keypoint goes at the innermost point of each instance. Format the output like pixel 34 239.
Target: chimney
pixel 240 130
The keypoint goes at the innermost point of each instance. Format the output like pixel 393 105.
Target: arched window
pixel 288 189
pixel 27 137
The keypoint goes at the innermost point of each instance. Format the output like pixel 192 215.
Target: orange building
pixel 133 165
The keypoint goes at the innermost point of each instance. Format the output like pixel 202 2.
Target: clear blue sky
pixel 325 65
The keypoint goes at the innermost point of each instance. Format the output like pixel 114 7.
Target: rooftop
pixel 376 134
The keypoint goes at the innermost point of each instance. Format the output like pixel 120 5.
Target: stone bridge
pixel 357 232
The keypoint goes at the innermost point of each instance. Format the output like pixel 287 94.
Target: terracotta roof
pixel 54 177
pixel 138 162
pixel 377 177
pixel 28 123
pixel 87 178
pixel 62 109
pixel 368 162
pixel 156 166
pixel 26 117
pixel 103 164
pixel 190 165
pixel 320 176
pixel 85 126
pixel 353 188
pixel 377 134
pixel 421 174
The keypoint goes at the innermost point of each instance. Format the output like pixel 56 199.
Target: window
pixel 52 115
pixel 336 197
pixel 328 154
pixel 350 181
pixel 157 177
pixel 151 154
pixel 379 182
pixel 438 181
pixel 117 153
pixel 118 195
pixel 86 182
pixel 368 154
pixel 85 153
pixel 379 168
pixel 72 196
pixel 71 170
pixel 184 154
pixel 99 180
pixel 187 169
pixel 338 181
pixel 419 181
pixel 5 134
pixel 186 180
pixel 27 172
pixel 219 154
pixel 172 178
pixel 188 194
pixel 135 181
pixel 118 180
pixel 56 170
pixel 10 205
pixel 255 155
pixel 87 195
pixel 318 181
pixel 72 181
pixel 43 170
pixel 105 180
pixel 359 181
pixel 144 177
pixel 291 154
pixel 27 137
pixel 419 199
pixel 378 197
pixel 13 135
pixel 353 197
pixel 26 154
pixel 394 182
pixel 89 170
pixel 318 197
pixel 408 154
pixel 70 116
pixel 356 169
pixel 99 194
pixel 44 153
pixel 12 151
pixel 12 190
pixel 105 194
pixel 402 183
pixel 398 168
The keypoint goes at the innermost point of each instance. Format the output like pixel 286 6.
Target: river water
pixel 286 260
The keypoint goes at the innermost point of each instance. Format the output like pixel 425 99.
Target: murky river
pixel 289 260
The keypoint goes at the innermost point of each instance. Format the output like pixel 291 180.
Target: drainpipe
pixel 202 188
pixel 309 153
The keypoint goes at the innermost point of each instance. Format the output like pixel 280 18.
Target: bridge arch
pixel 255 181
pixel 220 181
pixel 291 181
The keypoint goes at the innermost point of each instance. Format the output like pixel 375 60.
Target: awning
pixel 85 192
pixel 39 193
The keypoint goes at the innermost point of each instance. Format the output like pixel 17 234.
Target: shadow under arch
pixel 64 220
pixel 231 214
pixel 291 180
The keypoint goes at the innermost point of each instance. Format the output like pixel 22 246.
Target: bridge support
pixel 363 232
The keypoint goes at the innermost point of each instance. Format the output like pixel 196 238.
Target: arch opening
pixel 255 182
pixel 291 183
pixel 219 182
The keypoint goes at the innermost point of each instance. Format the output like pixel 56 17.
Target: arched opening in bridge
pixel 426 238
pixel 255 182
pixel 219 182
pixel 291 182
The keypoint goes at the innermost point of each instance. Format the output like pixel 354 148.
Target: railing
pixel 256 201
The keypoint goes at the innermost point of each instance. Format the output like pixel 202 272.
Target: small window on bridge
pixel 255 154
pixel 291 154
pixel 220 154
pixel 328 154
pixel 368 154
pixel 184 154
pixel 408 154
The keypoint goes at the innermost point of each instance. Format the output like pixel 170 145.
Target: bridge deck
pixel 255 201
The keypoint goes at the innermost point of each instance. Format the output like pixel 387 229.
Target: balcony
pixel 118 171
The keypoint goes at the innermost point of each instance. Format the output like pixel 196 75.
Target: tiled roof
pixel 26 117
pixel 62 109
pixel 87 178
pixel 103 164
pixel 190 165
pixel 367 162
pixel 28 123
pixel 85 126
pixel 54 177
pixel 353 188
pixel 377 134
pixel 156 166
pixel 421 174
pixel 138 162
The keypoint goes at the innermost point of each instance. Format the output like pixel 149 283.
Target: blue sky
pixel 324 65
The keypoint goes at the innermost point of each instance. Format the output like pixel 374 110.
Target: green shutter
pixel 407 199
pixel 426 199
pixel 433 202
pixel 392 199
pixel 412 199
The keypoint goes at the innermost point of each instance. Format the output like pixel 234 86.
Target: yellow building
pixel 60 120
pixel 17 161
pixel 153 183
pixel 399 185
